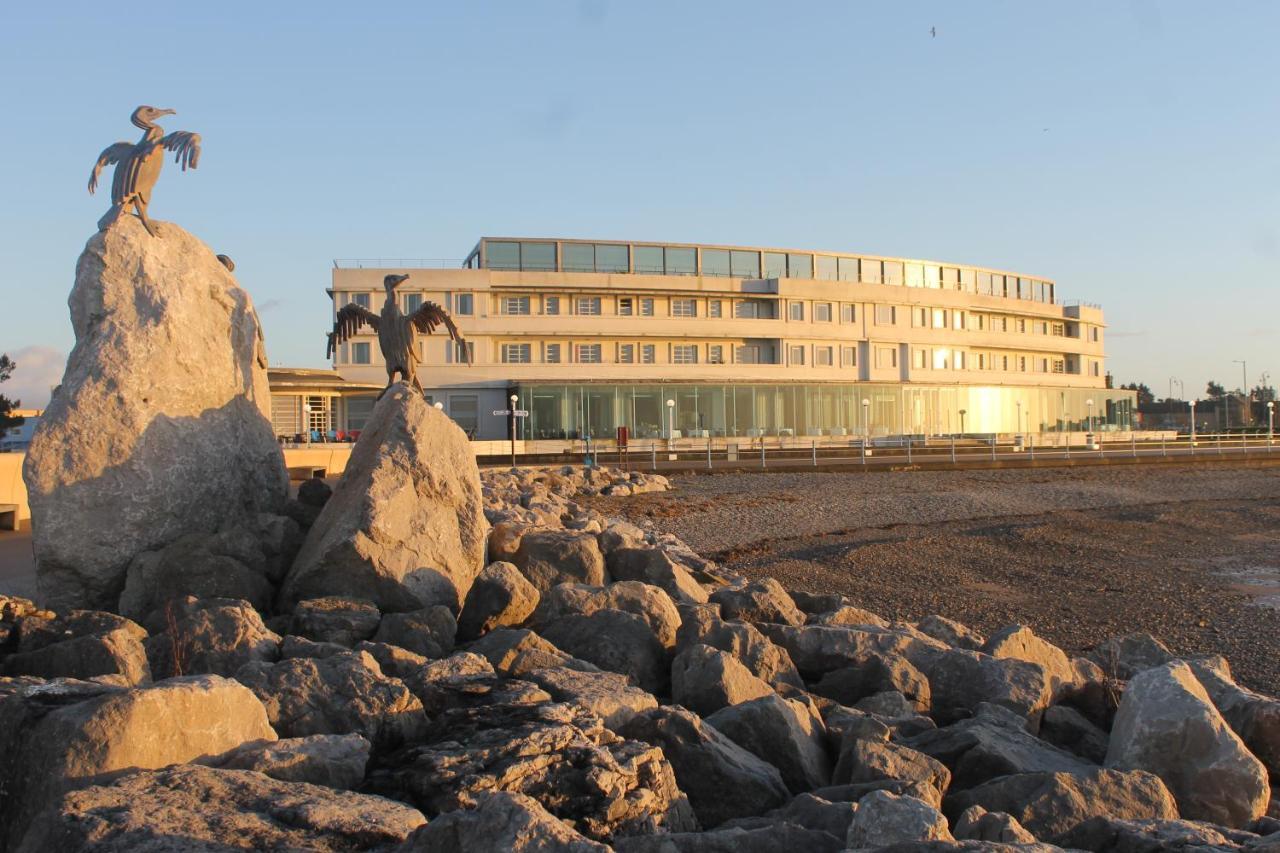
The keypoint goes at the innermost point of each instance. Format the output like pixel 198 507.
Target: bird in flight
pixel 933 31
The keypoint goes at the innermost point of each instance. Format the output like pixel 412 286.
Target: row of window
pixel 753 264
pixel 462 304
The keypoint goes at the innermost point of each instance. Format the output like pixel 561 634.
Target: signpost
pixel 513 414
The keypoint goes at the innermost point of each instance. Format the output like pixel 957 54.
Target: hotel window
pixel 957 319
pixel 552 354
pixel 797 355
pixel 465 411
pixel 796 310
pixel 1022 325
pixel 515 305
pixel 871 271
pixel 361 299
pixel 578 257
pixel 822 356
pixel 825 268
pixel 538 256
pixel 753 354
pixel 715 354
pixel 1022 364
pixel 848 269
pixel 589 305
pixel 980 321
pixel 848 314
pixel 775 265
pixel 920 359
pixel 412 302
pixel 517 353
pixel 848 356
pixel 942 359
pixel 886 315
pixel 982 361
pixel 647 353
pixel 501 256
pixel 626 353
pixel 920 317
pixel 799 266
pixel 464 303
pixel 612 258
pixel 1042 327
pixel 984 283
pixel 626 306
pixel 1003 321
pixel 715 308
pixel 588 353
pixel 939 318
pixel 360 353
pixel 1004 363
pixel 967 279
pixel 744 264
pixel 932 276
pixel 959 365
pixel 457 352
pixel 682 261
pixel 1095 368
pixel 755 309
pixel 1059 366
pixel 886 357
pixel 915 275
pixel 551 305
pixel 684 308
pixel 1093 334
pixel 1059 330
pixel 715 262
pixel 684 354
pixel 648 259
pixel 822 312
pixel 646 307
pixel 1041 365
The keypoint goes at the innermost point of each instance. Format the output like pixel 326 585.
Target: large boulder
pixel 335 619
pixel 161 424
pixel 1126 656
pixel 765 838
pixel 654 566
pixel 818 649
pixel 405 527
pixel 864 759
pixel 784 732
pixel 1167 725
pixel 616 641
pixel 217 636
pixel 429 632
pixel 1256 718
pixel 500 597
pixel 60 735
pixel 640 599
pixel 721 779
pixel 550 557
pixel 961 680
pixel 501 821
pixel 79 644
pixel 609 695
pixel 517 651
pixel 705 680
pixel 875 673
pixel 1112 835
pixel 335 761
pixel 883 819
pixel 761 600
pixel 763 658
pixel 190 807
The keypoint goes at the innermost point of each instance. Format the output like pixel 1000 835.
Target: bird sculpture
pixel 138 165
pixel 396 332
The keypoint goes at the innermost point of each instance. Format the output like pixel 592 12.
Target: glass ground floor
pixel 573 411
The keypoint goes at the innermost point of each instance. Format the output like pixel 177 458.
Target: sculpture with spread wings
pixel 396 332
pixel 138 165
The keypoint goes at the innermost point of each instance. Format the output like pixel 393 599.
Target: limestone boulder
pixel 646 601
pixel 1113 835
pixel 504 540
pixel 1168 726
pixel 161 424
pixel 763 658
pixel 215 636
pixel 190 807
pixel 405 527
pixel 300 647
pixel 883 819
pixel 314 492
pixel 846 615
pixel 517 651
pixel 758 601
pixel 60 735
pixel 783 732
pixel 875 673
pixel 1252 716
pixel 721 779
pixel 500 821
pixel 961 680
pixel 335 619
pixel 615 641
pixel 442 691
pixel 550 557
pixel 704 679
pixel 395 661
pixel 334 761
pixel 977 824
pixel 871 760
pixel 500 597
pixel 341 694
pixel 81 644
pixel 766 838
pixel 429 632
pixel 656 567
pixel 1066 727
pixel 819 649
pixel 805 810
pixel 1021 643
pixel 951 632
pixel 609 695
pixel 1126 656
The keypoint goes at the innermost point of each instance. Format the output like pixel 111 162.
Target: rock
pixel 394 661
pixel 767 838
pixel 764 659
pixel 458 663
pixel 1068 728
pixel 618 535
pixel 1049 804
pixel 721 779
pixel 515 652
pixel 314 492
pixel 808 811
pixel 1111 835
pixel 335 761
pixel 83 644
pixel 1167 725
pixel 59 735
pixel 550 557
pixel 301 647
pixel 200 808
pixel 1021 643
pixel 819 649
pixel 216 636
pixel 884 818
pixel 229 563
pixel 345 621
pixel 606 694
pixel 961 680
pixel 1252 716
pixel 430 631
pixel 854 792
pixel 889 704
pixel 654 566
pixel 504 540
pixel 993 743
pixel 978 824
pixel 874 674
pixel 441 691
pixel 847 616
pixel 615 641
pixel 705 680
pixel 500 821
pixel 341 694
pixel 950 632
pixel 815 603
pixel 869 760
pixel 1124 657
pixel 782 732
pixel 405 527
pixel 639 599
pixel 141 444
pixel 559 755
pixel 758 601
pixel 500 597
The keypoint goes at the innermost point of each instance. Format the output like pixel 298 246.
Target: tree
pixel 1145 396
pixel 7 418
pixel 1214 391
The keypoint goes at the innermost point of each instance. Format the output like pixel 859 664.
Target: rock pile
pixel 595 686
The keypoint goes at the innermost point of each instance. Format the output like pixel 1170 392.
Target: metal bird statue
pixel 138 165
pixel 396 332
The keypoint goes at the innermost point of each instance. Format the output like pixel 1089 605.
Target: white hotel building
pixel 593 335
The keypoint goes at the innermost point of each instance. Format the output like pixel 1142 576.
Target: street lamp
pixel 962 413
pixel 671 419
pixel 1193 423
pixel 1271 420
pixel 439 405
pixel 515 398
pixel 1017 426
pixel 1089 403
pixel 866 420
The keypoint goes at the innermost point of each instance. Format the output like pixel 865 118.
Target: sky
pixel 1125 149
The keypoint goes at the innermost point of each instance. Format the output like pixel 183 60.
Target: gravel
pixel 1187 553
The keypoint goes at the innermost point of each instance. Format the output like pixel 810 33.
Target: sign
pixel 498 412
pixel 519 413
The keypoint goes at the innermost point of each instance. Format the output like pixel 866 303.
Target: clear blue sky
pixel 1127 150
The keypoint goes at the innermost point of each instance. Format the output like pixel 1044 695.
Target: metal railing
pixel 396 263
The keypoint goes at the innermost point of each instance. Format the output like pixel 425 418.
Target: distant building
pixel 17 438
pixel 320 401
pixel 705 340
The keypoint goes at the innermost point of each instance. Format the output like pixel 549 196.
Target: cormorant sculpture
pixel 138 165
pixel 396 332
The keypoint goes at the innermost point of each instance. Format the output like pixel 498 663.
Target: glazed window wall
pixel 572 411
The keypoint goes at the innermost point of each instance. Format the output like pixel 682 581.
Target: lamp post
pixel 1271 420
pixel 671 419
pixel 1193 423
pixel 962 414
pixel 1089 403
pixel 1244 390
pixel 1017 426
pixel 306 421
pixel 515 398
pixel 866 421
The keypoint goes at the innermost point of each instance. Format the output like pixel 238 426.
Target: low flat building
pixel 319 403
pixel 708 341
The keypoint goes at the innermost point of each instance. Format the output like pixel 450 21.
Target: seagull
pixel 933 31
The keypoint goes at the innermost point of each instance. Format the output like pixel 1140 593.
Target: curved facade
pixel 742 341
